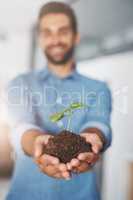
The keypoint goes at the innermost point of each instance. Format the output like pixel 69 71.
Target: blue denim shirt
pixel 32 98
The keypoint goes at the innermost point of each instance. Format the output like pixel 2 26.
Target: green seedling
pixel 66 145
pixel 68 112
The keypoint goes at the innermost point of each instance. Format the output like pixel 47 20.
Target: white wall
pixel 14 59
pixel 14 54
pixel 117 70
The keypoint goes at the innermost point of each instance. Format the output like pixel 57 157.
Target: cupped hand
pixel 49 165
pixel 85 161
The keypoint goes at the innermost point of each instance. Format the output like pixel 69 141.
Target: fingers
pixel 49 160
pixel 73 163
pixel 39 144
pixel 81 163
pixel 62 167
pixel 46 138
pixel 97 147
pixel 52 167
pixel 87 156
pixel 86 136
pixel 90 158
pixel 69 167
pixel 54 171
pixel 66 175
pixel 49 169
pixel 38 150
pixel 94 140
pixel 83 167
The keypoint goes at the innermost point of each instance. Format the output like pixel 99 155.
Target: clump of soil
pixel 66 145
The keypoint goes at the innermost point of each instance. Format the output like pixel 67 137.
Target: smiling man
pixel 37 175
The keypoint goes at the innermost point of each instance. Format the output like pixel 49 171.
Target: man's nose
pixel 55 40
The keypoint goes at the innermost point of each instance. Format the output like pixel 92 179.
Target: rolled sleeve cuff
pixel 18 131
pixel 105 129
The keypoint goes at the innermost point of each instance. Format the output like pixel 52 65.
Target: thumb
pixel 39 144
pixel 38 150
pixel 96 148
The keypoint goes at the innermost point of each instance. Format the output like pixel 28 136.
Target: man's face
pixel 57 38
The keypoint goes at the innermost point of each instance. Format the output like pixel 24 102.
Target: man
pixel 34 96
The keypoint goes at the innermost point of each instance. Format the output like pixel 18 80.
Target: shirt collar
pixel 45 73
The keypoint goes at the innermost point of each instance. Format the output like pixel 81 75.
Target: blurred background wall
pixel 105 53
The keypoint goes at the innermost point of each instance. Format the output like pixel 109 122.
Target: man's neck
pixel 62 70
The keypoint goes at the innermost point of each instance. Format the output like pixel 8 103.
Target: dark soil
pixel 66 145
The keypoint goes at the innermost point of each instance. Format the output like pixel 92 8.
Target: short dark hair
pixel 59 7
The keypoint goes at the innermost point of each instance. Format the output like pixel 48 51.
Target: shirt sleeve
pixel 98 113
pixel 21 110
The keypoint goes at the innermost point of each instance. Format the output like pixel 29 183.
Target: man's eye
pixel 64 32
pixel 44 33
